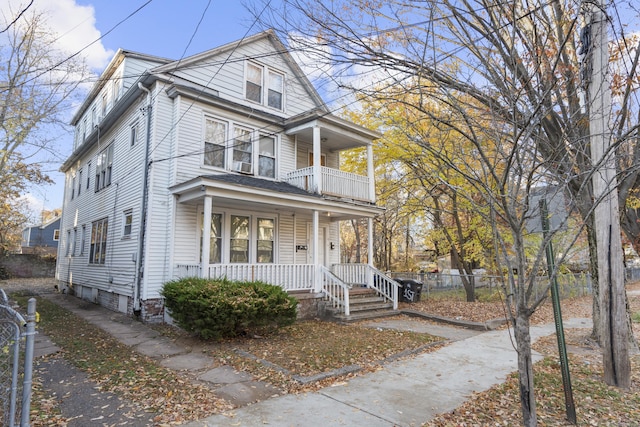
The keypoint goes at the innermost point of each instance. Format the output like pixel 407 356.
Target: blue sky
pixel 164 28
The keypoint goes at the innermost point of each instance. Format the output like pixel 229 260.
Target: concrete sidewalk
pixel 403 393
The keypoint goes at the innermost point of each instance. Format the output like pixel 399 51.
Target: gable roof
pixel 117 59
pixel 269 35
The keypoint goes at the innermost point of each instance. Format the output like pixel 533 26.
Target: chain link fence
pixel 17 337
pixel 487 286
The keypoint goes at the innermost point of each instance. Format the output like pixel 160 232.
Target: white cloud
pixel 74 25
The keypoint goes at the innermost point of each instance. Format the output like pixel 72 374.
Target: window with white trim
pixel 215 238
pixel 98 249
pixel 133 134
pixel 56 234
pixel 68 243
pixel 104 166
pixel 239 239
pixel 242 151
pixel 79 181
pixel 253 85
pixel 73 242
pixel 264 85
pixel 127 223
pixel 83 238
pixel 215 139
pixel 265 240
pixel 267 156
pixel 275 90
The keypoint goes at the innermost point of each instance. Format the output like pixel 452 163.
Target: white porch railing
pixel 335 290
pixel 334 182
pixel 290 277
pixel 364 274
pixel 334 283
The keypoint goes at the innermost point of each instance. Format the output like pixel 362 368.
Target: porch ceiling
pixel 336 133
pixel 243 192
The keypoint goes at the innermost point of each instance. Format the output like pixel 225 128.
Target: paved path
pixel 404 393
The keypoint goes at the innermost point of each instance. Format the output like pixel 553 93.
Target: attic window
pixel 254 83
pixel 274 96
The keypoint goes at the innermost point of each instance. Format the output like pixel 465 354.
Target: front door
pixel 322 244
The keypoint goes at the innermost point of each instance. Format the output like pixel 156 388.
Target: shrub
pixel 223 308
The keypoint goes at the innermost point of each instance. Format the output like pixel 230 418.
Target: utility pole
pixel 615 339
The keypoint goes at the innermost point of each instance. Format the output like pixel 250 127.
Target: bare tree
pixel 37 83
pixel 505 75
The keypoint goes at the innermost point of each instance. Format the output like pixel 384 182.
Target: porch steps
pixel 364 303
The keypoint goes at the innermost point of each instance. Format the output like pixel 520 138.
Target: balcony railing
pixel 334 182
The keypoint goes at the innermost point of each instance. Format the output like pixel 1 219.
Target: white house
pixel 230 153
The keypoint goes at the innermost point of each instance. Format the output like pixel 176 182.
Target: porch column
pixel 317 159
pixel 206 237
pixel 370 242
pixel 315 247
pixel 370 173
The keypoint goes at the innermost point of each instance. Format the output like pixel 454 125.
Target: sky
pixel 166 28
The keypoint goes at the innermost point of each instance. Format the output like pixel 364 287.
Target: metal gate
pixel 17 338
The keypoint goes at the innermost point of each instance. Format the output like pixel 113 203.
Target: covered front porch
pixel 225 216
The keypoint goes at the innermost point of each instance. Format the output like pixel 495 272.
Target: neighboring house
pixel 41 239
pixel 229 153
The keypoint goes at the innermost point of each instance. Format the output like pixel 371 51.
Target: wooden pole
pixel 615 339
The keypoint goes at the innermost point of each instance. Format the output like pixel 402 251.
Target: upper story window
pixel 242 151
pixel 275 90
pixel 247 151
pixel 103 105
pixel 215 142
pixel 127 223
pixel 79 181
pixel 104 166
pixel 267 156
pixel 134 134
pixel 254 83
pixel 264 85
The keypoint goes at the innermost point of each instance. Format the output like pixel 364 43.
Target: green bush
pixel 223 308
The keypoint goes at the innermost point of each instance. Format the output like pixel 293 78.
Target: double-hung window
pixel 264 85
pixel 239 238
pixel 127 223
pixel 215 137
pixel 104 167
pixel 267 156
pixel 98 250
pixel 275 90
pixel 215 239
pixel 254 83
pixel 242 150
pixel 265 240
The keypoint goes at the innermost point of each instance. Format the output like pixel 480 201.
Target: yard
pixel 310 348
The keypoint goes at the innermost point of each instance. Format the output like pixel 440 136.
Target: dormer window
pixel 255 90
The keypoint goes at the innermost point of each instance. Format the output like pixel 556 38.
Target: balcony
pixel 333 182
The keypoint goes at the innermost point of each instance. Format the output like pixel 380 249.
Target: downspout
pixel 137 304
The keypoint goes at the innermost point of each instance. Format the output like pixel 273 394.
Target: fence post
pixel 28 362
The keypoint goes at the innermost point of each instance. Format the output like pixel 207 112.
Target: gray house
pixel 222 164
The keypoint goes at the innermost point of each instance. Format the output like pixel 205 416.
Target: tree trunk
pixel 356 231
pixel 525 369
pixel 596 332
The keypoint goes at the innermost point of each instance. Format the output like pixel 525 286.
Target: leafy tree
pixel 506 79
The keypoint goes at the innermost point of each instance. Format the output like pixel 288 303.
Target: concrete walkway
pixel 404 393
